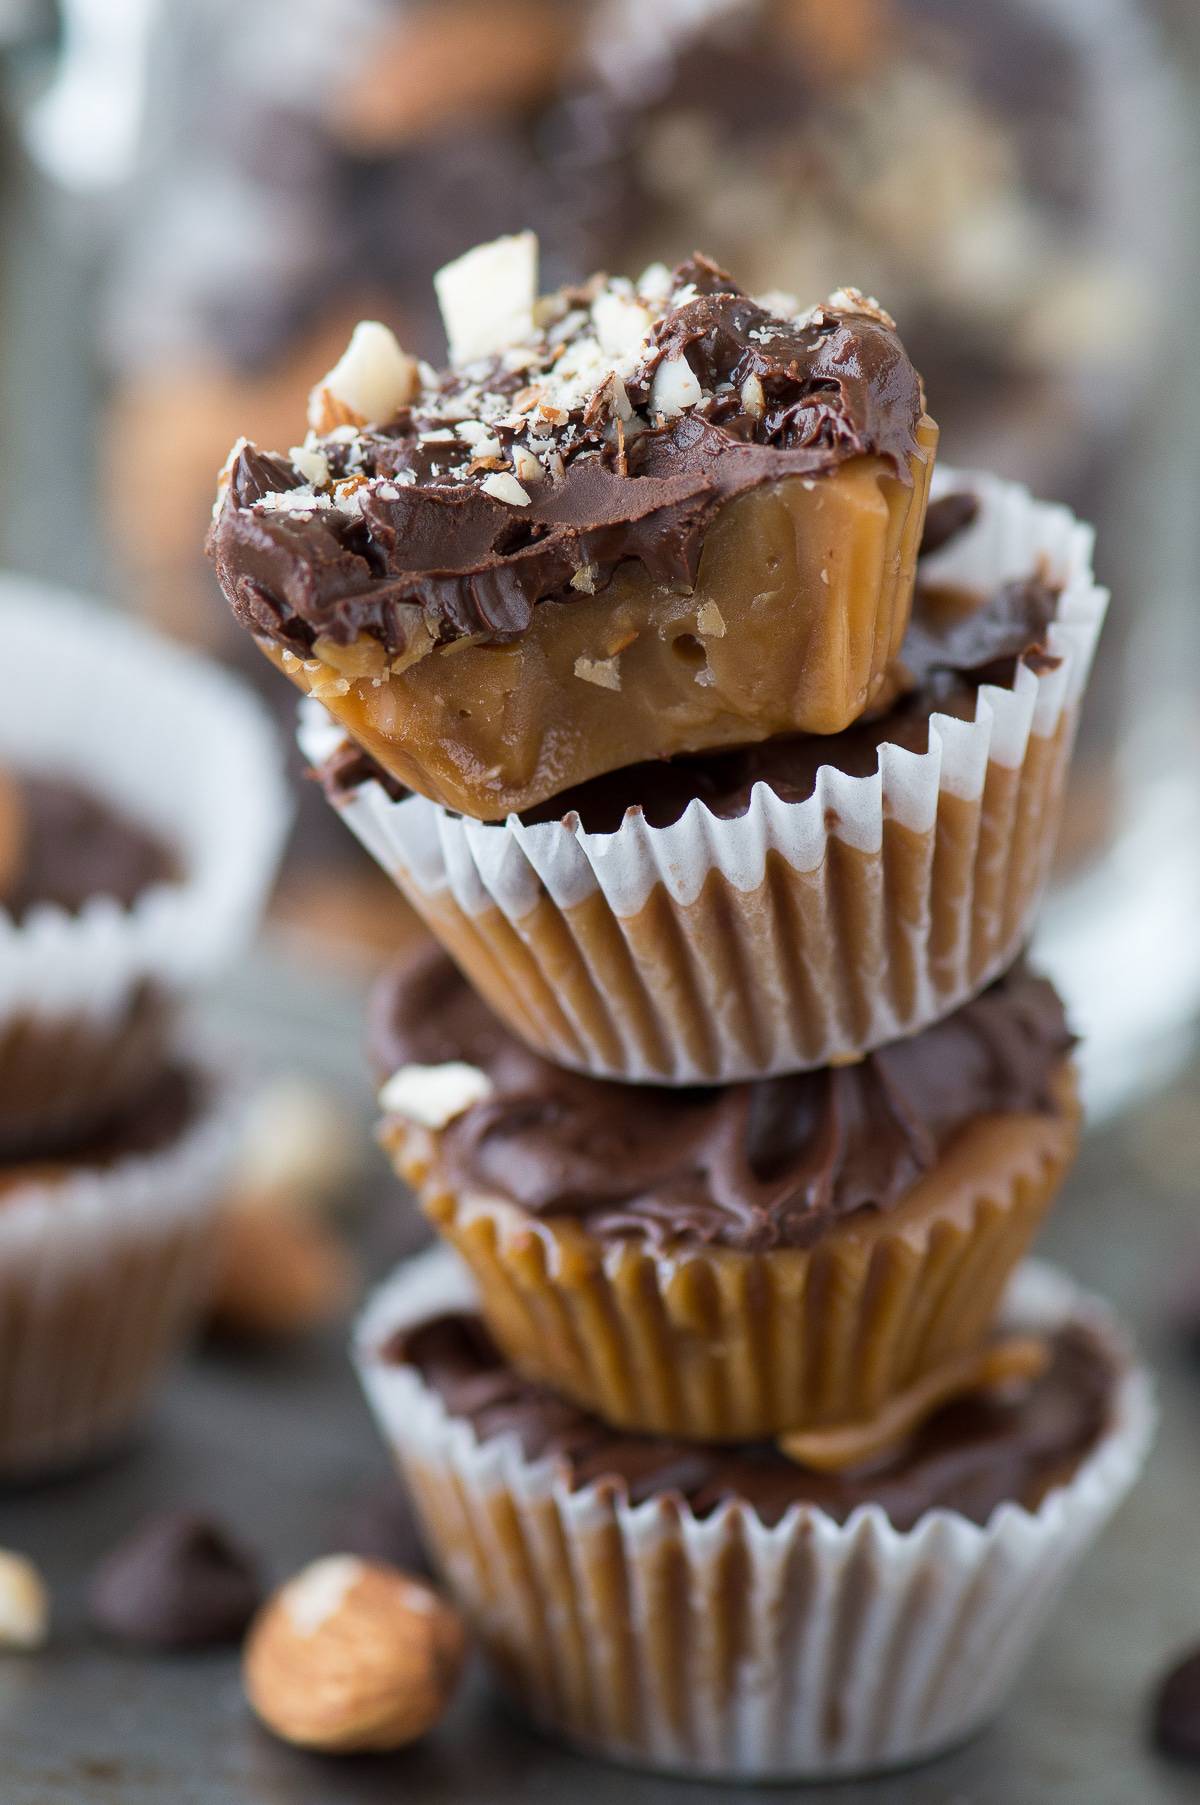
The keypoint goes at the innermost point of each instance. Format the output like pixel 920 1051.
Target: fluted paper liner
pixel 103 1271
pixel 798 934
pixel 719 1646
pixel 714 1343
pixel 184 749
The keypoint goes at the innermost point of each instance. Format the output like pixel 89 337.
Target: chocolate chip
pixel 177 1581
pixel 379 1525
pixel 1177 1710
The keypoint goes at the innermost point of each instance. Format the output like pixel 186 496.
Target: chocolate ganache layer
pixel 755 1166
pixel 969 1456
pixel 613 430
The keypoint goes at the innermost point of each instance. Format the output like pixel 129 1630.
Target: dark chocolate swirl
pixel 754 1166
pixel 968 1457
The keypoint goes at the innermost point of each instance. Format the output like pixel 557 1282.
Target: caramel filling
pixel 800 605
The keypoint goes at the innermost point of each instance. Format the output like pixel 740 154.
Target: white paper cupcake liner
pixel 718 1646
pixel 103 1271
pixel 798 934
pixel 174 742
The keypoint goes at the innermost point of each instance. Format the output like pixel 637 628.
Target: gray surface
pixel 276 1446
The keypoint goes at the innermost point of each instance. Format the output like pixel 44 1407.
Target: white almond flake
pixel 525 465
pixel 579 371
pixel 480 438
pixel 313 465
pixel 603 672
pixel 622 323
pixel 432 1095
pixel 585 579
pixel 710 621
pixel 348 498
pixel 619 401
pixel 442 435
pixel 655 282
pixel 853 300
pixel 373 376
pixel 753 399
pixel 301 502
pixel 503 486
pixel 675 388
pixel 487 297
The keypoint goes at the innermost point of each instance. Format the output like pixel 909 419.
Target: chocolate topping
pixel 405 540
pixel 754 1166
pixel 969 1457
pixel 74 847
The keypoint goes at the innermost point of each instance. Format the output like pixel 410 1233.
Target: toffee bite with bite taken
pixel 631 520
pixel 794 902
pixel 794 1254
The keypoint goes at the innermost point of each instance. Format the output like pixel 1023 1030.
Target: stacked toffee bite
pixel 727 769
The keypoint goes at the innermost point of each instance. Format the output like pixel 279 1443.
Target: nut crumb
pixel 853 300
pixel 603 672
pixel 503 486
pixel 753 399
pixel 312 464
pixel 710 621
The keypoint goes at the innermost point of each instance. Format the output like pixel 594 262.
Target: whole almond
pixel 353 1655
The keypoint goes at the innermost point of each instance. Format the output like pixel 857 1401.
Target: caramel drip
pixel 1011 1361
